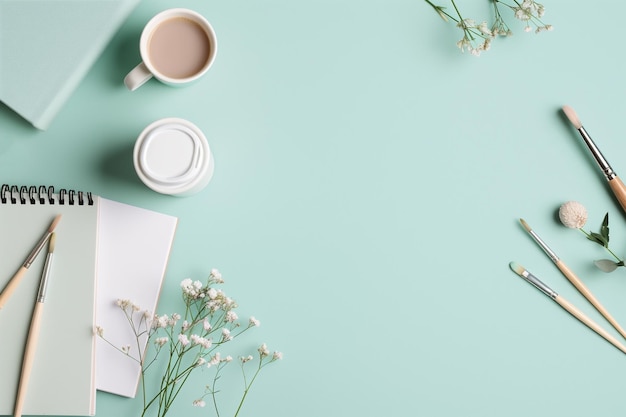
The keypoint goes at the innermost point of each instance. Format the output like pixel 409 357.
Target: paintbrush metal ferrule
pixel 553 256
pixel 38 247
pixel 543 245
pixel 595 151
pixel 533 280
pixel 43 284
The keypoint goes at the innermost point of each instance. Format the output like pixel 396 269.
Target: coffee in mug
pixel 177 47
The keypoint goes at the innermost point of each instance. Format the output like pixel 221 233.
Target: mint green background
pixel 369 180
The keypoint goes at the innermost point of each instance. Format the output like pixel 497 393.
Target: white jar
pixel 172 156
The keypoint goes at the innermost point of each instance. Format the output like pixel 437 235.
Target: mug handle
pixel 137 77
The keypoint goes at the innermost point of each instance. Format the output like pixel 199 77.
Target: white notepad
pixel 62 377
pixel 134 244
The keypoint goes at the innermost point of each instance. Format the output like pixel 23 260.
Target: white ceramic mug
pixel 177 47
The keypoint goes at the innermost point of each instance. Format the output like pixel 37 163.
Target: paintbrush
pixel 33 332
pixel 616 184
pixel 573 278
pixel 13 283
pixel 522 272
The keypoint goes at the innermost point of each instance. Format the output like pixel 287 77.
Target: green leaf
pixel 606 265
pixel 598 238
pixel 604 229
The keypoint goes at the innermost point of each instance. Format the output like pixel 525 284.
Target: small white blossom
pixel 263 351
pixel 161 341
pixel 484 29
pixel 277 355
pixel 226 336
pixel 162 321
pixel 99 331
pixel 215 359
pixel 231 317
pixel 254 322
pixel 206 324
pixel 182 338
pixel 467 24
pixel 216 276
pixel 199 403
pixel 198 340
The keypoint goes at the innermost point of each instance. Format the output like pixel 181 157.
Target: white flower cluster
pixel 209 321
pixel 478 37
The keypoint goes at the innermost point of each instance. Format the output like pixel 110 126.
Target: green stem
pixel 605 247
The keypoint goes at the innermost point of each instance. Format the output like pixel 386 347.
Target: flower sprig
pixel 478 37
pixel 574 216
pixel 189 342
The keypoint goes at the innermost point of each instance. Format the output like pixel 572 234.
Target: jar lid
pixel 172 156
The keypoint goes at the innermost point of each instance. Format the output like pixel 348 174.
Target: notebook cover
pixel 62 380
pixel 48 46
pixel 134 248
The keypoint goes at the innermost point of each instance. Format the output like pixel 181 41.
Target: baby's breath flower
pixel 99 331
pixel 161 341
pixel 263 351
pixel 206 324
pixel 573 214
pixel 277 355
pixel 162 321
pixel 182 338
pixel 216 276
pixel 231 317
pixel 199 403
pixel 226 336
pixel 254 322
pixel 215 359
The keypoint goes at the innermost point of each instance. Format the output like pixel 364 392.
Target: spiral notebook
pixel 62 378
pixel 104 250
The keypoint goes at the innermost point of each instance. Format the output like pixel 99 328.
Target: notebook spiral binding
pixel 12 194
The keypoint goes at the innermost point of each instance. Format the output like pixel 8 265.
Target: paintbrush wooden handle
pixel 619 189
pixel 589 323
pixel 12 285
pixel 582 288
pixel 27 362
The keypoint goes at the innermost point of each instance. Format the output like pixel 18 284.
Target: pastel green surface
pixel 368 184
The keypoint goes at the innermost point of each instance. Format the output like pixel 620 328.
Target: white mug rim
pixel 166 15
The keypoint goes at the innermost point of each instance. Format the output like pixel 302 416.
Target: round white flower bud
pixel 573 214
